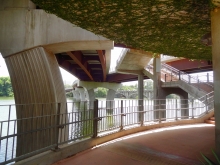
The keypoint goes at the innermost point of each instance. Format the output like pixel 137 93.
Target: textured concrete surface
pixel 177 145
pixel 215 28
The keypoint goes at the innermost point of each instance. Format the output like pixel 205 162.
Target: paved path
pixel 177 145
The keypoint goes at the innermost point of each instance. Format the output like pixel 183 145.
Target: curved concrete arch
pixel 174 94
pixel 37 83
pixel 184 99
pixel 179 92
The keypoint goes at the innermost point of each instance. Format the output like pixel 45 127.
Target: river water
pixel 77 129
pixel 8 112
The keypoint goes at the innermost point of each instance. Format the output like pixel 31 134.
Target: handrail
pixel 181 75
pixel 120 114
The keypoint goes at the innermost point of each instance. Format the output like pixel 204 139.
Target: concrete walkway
pixel 177 145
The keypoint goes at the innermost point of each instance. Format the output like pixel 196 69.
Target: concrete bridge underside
pixel 32 41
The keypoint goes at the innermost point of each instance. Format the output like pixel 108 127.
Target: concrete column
pixel 110 99
pixel 215 31
pixel 91 99
pixel 76 95
pixel 82 94
pixel 140 96
pixel 158 92
pixel 37 83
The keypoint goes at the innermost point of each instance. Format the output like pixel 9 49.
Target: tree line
pixel 7 91
pixel 6 87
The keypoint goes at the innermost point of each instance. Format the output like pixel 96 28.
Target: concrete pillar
pixel 82 94
pixel 158 92
pixel 110 99
pixel 37 83
pixel 215 31
pixel 76 95
pixel 140 97
pixel 91 99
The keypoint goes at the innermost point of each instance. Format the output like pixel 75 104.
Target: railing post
pixel 176 109
pixel 171 77
pixel 165 77
pixel 95 119
pixel 206 104
pixel 189 79
pixel 122 116
pixel 207 77
pixel 57 126
pixel 179 76
pixel 159 111
pixel 142 113
pixel 198 84
pixel 192 109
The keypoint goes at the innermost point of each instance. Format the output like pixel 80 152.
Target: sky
pixel 67 77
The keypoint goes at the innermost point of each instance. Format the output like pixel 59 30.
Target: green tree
pixel 128 87
pixel 5 87
pixel 69 94
pixel 101 92
pixel 148 85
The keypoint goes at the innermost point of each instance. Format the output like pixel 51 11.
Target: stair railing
pixel 180 75
pixel 208 101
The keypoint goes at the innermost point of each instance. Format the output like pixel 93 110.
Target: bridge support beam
pixel 91 100
pixel 109 99
pixel 215 31
pixel 37 83
pixel 82 94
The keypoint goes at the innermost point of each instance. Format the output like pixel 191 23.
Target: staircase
pixel 197 88
pixel 171 77
pixel 211 120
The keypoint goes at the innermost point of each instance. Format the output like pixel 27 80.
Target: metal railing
pixel 172 74
pixel 176 74
pixel 27 130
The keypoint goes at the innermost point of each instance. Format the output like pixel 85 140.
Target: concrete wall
pixel 5 4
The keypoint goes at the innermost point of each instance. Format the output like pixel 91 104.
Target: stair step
pixel 208 121
pixel 212 118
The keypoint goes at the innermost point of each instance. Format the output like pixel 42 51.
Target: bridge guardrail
pixel 28 134
pixel 185 77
